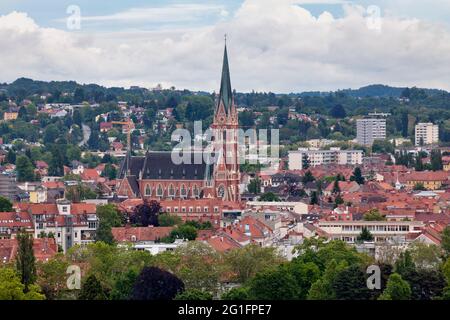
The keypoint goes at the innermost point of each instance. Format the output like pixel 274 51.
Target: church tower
pixel 225 127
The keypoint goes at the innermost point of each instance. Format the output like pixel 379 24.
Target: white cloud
pixel 272 46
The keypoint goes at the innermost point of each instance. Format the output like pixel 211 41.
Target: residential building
pixel 70 223
pixel 369 130
pixel 316 157
pixel 426 133
pixel 7 116
pixel 382 231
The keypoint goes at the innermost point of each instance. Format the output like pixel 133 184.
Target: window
pixel 171 191
pixel 183 209
pixel 183 191
pixel 148 191
pixel 168 209
pixel 205 209
pixel 159 191
pixel 196 192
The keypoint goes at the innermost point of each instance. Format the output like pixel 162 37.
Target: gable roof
pixel 134 234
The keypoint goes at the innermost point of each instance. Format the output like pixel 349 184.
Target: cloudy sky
pixel 274 45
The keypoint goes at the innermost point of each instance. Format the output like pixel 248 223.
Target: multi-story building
pixel 348 231
pixel 426 133
pixel 317 157
pixel 369 130
pixel 70 223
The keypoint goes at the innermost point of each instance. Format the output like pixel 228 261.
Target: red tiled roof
pixel 44 249
pixel 222 243
pixel 133 234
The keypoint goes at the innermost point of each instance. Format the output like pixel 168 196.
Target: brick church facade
pixel 155 176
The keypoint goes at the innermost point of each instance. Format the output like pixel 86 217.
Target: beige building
pixel 323 157
pixel 427 133
pixel 382 231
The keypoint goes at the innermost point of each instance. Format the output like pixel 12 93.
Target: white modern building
pixel 369 130
pixel 382 231
pixel 426 133
pixel 318 157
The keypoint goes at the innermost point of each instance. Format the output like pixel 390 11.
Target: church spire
pixel 226 94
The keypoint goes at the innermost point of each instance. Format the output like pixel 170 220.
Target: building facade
pixel 369 130
pixel 317 157
pixel 426 133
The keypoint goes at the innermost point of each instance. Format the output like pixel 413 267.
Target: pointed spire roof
pixel 226 93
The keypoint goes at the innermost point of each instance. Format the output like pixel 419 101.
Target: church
pixel 155 176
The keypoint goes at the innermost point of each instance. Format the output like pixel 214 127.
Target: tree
pixel 445 243
pixel 11 156
pixel 185 232
pixel 269 197
pixel 350 284
pixel 306 163
pixel 193 295
pixel 322 289
pixel 425 256
pixel 5 205
pixel 52 277
pixel 25 261
pixel 168 220
pixel 123 286
pixel 373 215
pixel 338 200
pixel 273 285
pixel 425 284
pixel 336 188
pixel 92 290
pixel 25 169
pixel 245 262
pixel 236 294
pixel 397 289
pixel 404 263
pixel 11 287
pixel 357 176
pixel 308 177
pixel 255 186
pixel 314 198
pixel 156 284
pixel 109 217
pixel 305 274
pixel 419 187
pixel 51 133
pixel 436 160
pixel 338 111
pixel 365 235
pixel 146 214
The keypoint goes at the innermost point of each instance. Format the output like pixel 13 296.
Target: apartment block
pixel 426 133
pixel 318 157
pixel 369 130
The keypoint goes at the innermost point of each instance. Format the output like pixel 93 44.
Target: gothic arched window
pixel 183 191
pixel 148 191
pixel 159 191
pixel 171 191
pixel 196 191
pixel 221 192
